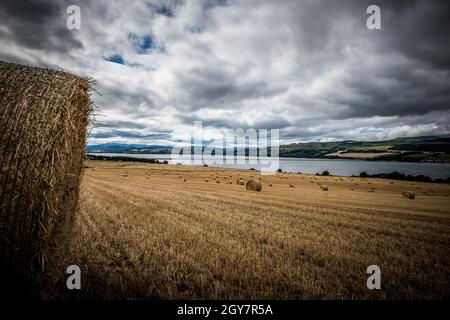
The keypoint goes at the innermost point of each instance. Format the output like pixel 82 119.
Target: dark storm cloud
pixel 37 24
pixel 134 102
pixel 275 122
pixel 420 31
pixel 309 67
pixel 209 87
pixel 415 33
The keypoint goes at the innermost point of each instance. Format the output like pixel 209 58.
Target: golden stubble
pixel 161 231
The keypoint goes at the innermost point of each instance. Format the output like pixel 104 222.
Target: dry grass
pixel 164 238
pixel 43 116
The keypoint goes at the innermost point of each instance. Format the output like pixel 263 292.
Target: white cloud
pixel 309 67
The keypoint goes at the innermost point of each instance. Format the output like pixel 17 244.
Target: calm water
pixel 339 167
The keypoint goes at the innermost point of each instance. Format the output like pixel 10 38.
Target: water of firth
pixel 338 167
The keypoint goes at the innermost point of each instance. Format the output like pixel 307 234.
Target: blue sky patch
pixel 145 44
pixel 115 58
pixel 164 10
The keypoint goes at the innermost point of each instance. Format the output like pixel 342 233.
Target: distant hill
pixel 414 149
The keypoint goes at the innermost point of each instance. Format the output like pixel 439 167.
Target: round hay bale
pixel 44 116
pixel 270 184
pixel 240 182
pixel 371 190
pixel 253 185
pixel 408 195
pixel 291 185
pixel 324 187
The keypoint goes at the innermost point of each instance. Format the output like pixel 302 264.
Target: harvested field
pixel 151 235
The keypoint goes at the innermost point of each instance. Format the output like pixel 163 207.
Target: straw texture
pixel 44 115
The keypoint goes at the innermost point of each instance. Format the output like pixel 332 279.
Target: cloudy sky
pixel 310 68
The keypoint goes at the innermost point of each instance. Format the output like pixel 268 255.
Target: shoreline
pixel 393 175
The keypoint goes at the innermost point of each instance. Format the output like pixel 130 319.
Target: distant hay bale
pixel 371 190
pixel 217 181
pixel 408 195
pixel 291 185
pixel 240 182
pixel 324 187
pixel 253 185
pixel 184 180
pixel 270 184
pixel 206 180
pixel 43 126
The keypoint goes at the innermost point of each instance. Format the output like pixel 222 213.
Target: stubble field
pixel 153 231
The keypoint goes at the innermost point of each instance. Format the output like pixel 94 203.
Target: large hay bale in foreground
pixel 253 185
pixel 43 125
